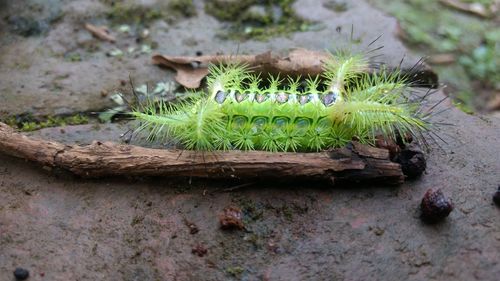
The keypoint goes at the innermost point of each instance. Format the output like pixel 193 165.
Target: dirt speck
pixel 496 197
pixel 231 218
pixel 199 250
pixel 193 228
pixel 21 273
pixel 72 228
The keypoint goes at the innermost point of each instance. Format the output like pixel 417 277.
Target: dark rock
pixel 435 206
pixel 412 162
pixel 231 218
pixel 21 273
pixel 496 197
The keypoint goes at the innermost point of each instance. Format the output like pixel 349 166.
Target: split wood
pixel 355 163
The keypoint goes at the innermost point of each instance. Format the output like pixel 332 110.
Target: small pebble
pixel 231 218
pixel 435 206
pixel 496 197
pixel 193 228
pixel 21 273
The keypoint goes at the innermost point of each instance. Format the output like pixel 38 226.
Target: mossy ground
pixel 471 40
pixel 124 12
pixel 257 20
pixel 66 228
pixel 28 123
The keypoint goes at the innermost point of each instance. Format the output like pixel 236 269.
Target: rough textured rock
pixel 64 228
pixel 68 228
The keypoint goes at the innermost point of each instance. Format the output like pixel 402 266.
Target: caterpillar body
pixel 343 104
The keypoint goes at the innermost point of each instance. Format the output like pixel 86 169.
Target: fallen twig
pixel 354 164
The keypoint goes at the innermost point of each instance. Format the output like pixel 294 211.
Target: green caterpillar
pixel 343 104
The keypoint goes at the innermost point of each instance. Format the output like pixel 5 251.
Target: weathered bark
pixel 354 163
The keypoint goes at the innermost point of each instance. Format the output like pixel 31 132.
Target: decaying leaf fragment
pixel 191 70
pixel 298 62
pixel 100 32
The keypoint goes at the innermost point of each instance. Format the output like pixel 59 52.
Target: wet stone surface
pixel 66 227
pixel 61 227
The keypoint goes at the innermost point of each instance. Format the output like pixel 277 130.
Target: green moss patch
pixel 235 271
pixel 27 122
pixel 258 20
pixel 473 42
pixel 130 13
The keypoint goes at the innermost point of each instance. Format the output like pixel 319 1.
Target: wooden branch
pixel 355 163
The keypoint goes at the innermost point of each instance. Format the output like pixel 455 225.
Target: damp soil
pixel 61 227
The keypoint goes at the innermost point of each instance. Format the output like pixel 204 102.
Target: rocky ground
pixel 64 228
